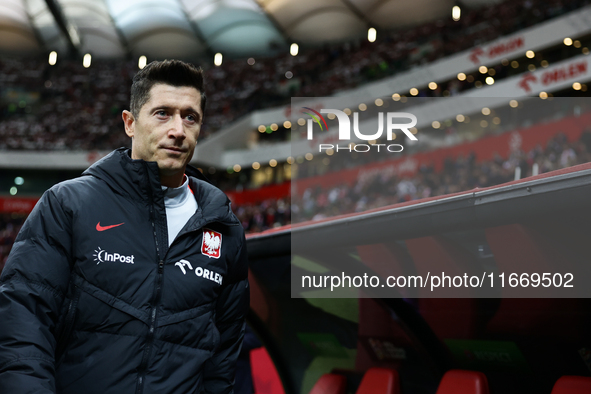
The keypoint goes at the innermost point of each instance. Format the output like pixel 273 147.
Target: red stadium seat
pixel 330 383
pixel 572 385
pixel 379 381
pixel 458 381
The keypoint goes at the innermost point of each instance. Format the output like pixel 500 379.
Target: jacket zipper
pixel 150 337
pixel 158 291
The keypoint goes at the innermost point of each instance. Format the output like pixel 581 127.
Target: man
pixel 133 277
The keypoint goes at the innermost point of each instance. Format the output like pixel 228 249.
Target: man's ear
pixel 129 122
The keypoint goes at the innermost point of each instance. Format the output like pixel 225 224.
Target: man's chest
pixel 123 251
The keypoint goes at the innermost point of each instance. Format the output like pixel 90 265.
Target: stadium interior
pixel 497 180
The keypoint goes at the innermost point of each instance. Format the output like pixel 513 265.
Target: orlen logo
pixel 526 80
pixel 496 50
pixel 554 75
pixel 101 256
pixel 345 129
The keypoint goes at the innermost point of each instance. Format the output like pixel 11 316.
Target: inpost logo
pixel 101 256
pixel 392 120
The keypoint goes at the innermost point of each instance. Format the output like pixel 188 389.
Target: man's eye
pixel 191 118
pixel 161 113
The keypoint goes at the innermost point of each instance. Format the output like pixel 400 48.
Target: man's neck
pixel 173 181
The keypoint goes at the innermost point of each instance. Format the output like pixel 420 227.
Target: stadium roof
pixel 200 28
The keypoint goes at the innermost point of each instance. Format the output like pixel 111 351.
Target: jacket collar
pixel 140 180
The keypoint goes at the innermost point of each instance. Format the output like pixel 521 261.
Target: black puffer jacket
pixel 92 299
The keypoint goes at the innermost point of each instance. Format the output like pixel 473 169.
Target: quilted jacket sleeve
pixel 32 288
pixel 231 311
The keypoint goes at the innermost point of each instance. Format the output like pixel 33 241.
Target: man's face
pixel 166 130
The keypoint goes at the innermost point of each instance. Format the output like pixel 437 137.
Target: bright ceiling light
pixel 217 59
pixel 53 58
pixel 142 62
pixel 456 12
pixel 294 49
pixel 372 34
pixel 87 60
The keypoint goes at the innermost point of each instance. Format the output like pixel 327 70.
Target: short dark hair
pixel 169 72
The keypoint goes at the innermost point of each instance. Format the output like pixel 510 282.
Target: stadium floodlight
pixel 87 60
pixel 372 34
pixel 456 12
pixel 142 62
pixel 294 49
pixel 52 58
pixel 217 59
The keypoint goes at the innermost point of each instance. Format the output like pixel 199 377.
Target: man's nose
pixel 176 128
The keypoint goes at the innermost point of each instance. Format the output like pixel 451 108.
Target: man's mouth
pixel 174 149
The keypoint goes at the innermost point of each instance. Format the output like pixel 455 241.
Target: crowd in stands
pixel 68 107
pixel 379 190
pixel 265 215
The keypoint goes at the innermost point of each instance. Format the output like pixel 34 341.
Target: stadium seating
pixel 572 385
pixel 330 383
pixel 379 381
pixel 459 381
